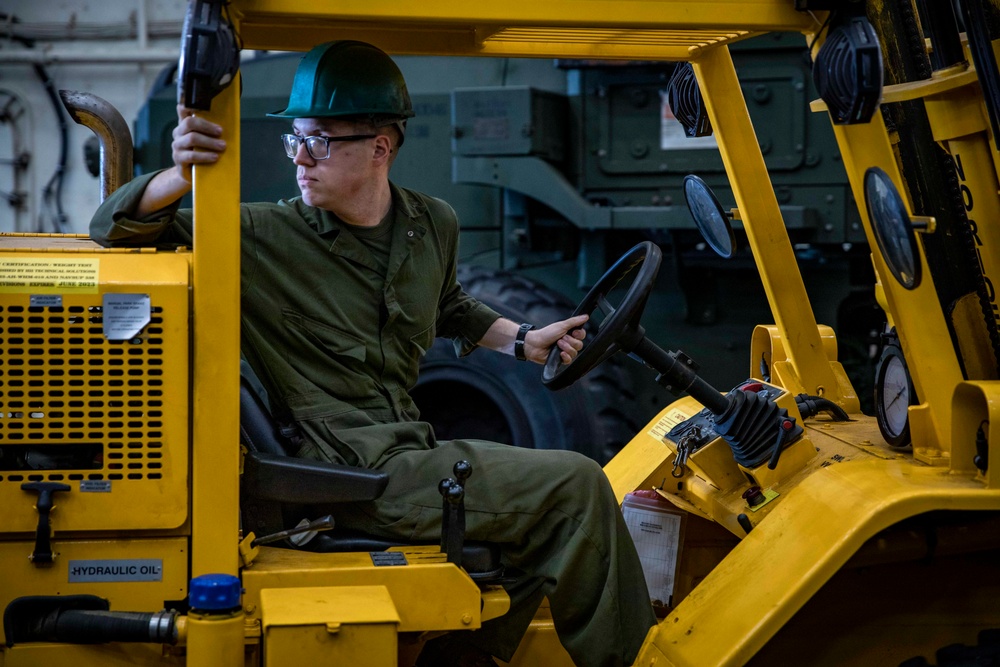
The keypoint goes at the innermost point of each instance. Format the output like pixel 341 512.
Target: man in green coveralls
pixel 343 290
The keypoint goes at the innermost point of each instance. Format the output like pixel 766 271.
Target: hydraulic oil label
pixel 116 569
pixel 48 276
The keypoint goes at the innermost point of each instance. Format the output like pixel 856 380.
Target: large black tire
pixel 494 397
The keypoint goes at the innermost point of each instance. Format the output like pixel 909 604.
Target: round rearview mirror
pixel 892 227
pixel 712 220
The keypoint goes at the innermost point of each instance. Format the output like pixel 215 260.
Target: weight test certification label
pixel 48 275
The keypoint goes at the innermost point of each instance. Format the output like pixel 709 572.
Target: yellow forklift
pixel 807 533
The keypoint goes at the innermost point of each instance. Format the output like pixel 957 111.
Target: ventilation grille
pixel 74 405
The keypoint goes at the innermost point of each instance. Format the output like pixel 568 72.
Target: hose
pixel 76 626
pixel 810 406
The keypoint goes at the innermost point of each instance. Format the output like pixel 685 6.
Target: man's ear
pixel 382 151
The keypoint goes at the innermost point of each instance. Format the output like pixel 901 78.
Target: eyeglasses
pixel 318 147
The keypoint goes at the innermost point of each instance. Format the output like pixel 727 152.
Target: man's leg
pixel 555 517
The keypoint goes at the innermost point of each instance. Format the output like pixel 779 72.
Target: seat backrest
pixel 258 430
pixel 271 472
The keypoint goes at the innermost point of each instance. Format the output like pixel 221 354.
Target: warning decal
pixel 667 422
pixel 49 275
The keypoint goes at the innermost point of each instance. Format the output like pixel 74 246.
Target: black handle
pixel 43 533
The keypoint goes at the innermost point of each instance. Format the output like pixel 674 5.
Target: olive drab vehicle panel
pixel 798 529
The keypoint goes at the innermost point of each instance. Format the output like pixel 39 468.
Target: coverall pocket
pixel 330 339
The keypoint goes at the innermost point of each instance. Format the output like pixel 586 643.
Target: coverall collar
pixel 409 226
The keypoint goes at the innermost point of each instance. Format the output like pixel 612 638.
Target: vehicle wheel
pixel 495 397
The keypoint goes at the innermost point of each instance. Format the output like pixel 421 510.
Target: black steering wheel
pixel 620 328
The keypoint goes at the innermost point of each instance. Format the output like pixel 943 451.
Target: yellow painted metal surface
pixel 215 640
pixel 976 405
pixel 34 243
pixel 647 460
pixel 496 602
pixel 342 625
pixel 958 120
pixel 429 594
pixel 216 353
pixel 540 644
pixel 19 577
pixel 623 29
pixel 916 313
pixel 64 384
pixel 766 343
pixel 806 538
pixel 765 230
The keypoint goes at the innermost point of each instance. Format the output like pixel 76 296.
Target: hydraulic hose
pixel 74 626
pixel 810 406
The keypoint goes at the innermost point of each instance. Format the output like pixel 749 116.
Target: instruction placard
pixel 48 275
pixel 125 315
pixel 660 429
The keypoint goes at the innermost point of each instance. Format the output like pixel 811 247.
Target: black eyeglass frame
pixel 291 143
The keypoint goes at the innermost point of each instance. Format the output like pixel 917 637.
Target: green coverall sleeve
pixel 461 317
pixel 114 223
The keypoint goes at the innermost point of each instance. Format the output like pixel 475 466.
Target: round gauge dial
pixel 893 396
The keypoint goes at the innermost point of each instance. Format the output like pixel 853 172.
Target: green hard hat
pixel 347 78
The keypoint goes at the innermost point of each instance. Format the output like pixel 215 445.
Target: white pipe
pixel 122 57
pixel 141 25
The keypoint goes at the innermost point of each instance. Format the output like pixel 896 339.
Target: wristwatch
pixel 519 341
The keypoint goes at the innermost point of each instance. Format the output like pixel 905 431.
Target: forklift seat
pixel 273 478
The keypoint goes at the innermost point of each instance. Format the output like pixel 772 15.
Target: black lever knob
pixel 456 494
pixel 463 471
pixel 444 485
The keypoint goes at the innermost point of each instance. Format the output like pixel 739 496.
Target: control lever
pixel 319 525
pixel 452 492
pixel 42 554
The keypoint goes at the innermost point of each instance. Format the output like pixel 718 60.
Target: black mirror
pixel 892 227
pixel 712 220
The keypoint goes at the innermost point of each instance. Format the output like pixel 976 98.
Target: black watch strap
pixel 519 341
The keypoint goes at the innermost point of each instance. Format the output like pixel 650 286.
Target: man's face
pixel 343 175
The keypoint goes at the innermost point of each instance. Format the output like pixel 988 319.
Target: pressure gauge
pixel 893 395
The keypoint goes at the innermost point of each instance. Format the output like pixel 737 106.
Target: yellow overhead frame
pixel 608 29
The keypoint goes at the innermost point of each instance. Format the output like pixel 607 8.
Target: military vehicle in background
pixel 555 168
